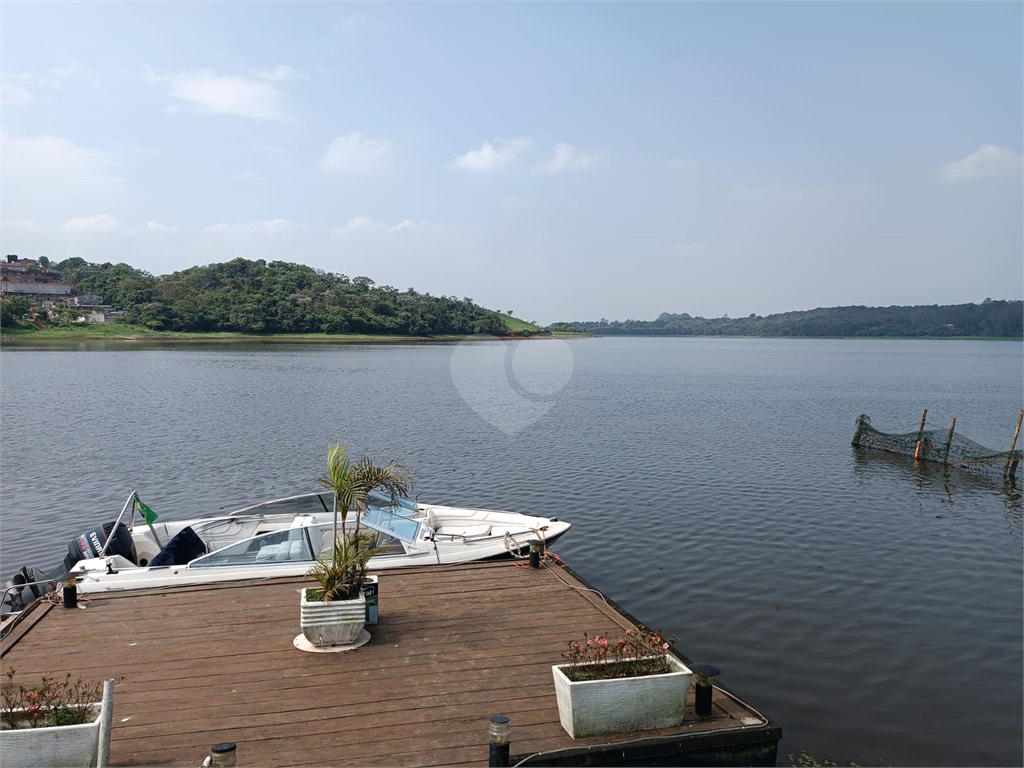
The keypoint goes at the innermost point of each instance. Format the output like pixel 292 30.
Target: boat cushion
pixel 185 547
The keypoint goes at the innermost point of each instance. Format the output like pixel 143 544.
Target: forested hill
pixel 243 296
pixel 995 319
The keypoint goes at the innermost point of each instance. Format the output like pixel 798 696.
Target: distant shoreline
pixel 57 336
pixel 113 333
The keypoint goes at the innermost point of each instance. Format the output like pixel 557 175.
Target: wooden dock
pixel 455 645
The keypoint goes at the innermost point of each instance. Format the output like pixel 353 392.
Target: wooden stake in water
pixel 920 433
pixel 1013 445
pixel 949 441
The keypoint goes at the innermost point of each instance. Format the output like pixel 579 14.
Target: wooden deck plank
pixel 454 646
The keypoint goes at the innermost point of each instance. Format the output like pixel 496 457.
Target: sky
pixel 566 161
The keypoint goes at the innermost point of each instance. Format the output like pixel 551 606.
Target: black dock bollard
pixel 703 687
pixel 222 755
pixel 535 547
pixel 70 594
pixel 500 731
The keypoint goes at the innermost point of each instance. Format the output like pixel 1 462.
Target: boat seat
pixel 463 531
pixel 286 550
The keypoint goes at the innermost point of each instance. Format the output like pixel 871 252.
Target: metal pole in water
pixel 949 442
pixel 1013 445
pixel 920 431
pixel 501 732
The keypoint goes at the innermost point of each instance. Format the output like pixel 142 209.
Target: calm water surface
pixel 872 608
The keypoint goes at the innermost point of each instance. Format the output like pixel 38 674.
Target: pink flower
pixel 665 646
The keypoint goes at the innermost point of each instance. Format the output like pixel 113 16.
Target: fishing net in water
pixel 944 446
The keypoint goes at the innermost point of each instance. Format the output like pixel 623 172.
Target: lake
pixel 873 608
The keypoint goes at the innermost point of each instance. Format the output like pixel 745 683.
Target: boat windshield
pixel 386 520
pixel 287 546
pixel 397 505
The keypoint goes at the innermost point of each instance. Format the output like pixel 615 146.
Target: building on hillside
pixel 87 300
pixel 27 278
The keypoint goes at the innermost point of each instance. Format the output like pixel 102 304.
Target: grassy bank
pixel 126 332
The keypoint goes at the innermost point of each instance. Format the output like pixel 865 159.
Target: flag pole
pixel 149 523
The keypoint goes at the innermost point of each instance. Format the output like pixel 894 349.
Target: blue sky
pixel 565 161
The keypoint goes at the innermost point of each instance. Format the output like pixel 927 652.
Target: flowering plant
pixel 53 702
pixel 639 653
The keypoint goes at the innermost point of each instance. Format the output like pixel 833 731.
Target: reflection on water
pixel 949 485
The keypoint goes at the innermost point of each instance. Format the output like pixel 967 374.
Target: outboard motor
pixel 90 545
pixel 26 587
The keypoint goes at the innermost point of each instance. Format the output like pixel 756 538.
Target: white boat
pixel 282 537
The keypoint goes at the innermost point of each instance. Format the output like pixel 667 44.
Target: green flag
pixel 147 514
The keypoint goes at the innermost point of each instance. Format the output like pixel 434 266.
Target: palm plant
pixel 350 485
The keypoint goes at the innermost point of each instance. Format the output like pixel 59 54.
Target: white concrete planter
pixel 596 707
pixel 335 622
pixel 60 746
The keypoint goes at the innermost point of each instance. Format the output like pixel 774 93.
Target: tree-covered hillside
pixel 243 296
pixel 996 319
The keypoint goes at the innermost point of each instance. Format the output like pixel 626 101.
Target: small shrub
pixel 639 653
pixel 52 702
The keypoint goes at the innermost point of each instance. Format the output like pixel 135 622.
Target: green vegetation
pixel 990 319
pixel 254 297
pixel 341 576
pixel 805 760
pixel 12 308
pixel 517 326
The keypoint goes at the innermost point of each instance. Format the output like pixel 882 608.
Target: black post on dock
pixel 222 755
pixel 501 732
pixel 535 547
pixel 703 687
pixel 70 594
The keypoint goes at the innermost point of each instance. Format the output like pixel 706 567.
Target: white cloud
pixel 490 158
pixel 14 89
pixel 567 158
pixel 272 227
pixel 20 88
pixel 356 152
pixel 989 160
pixel 22 227
pixel 50 177
pixel 408 225
pixel 359 224
pixel 364 225
pixel 223 94
pixel 278 74
pixel 67 71
pixel 101 223
pixel 156 226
